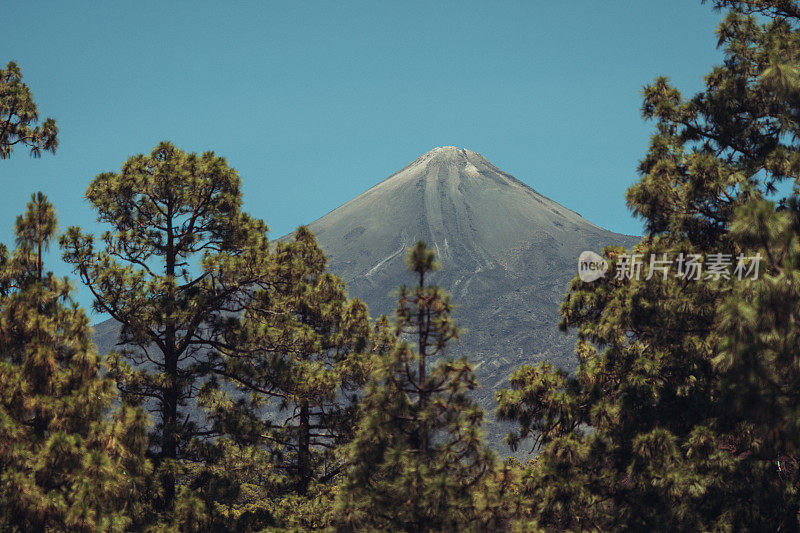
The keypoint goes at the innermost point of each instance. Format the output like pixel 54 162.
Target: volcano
pixel 507 254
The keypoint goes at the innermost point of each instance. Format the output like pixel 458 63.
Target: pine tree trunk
pixel 304 449
pixel 169 417
pixel 422 338
pixel 169 411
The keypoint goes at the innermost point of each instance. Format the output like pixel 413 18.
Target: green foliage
pixel 310 511
pixel 67 462
pixel 18 116
pixel 297 357
pixel 180 259
pixel 417 460
pixel 682 413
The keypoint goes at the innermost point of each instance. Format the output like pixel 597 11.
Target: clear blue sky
pixel 314 102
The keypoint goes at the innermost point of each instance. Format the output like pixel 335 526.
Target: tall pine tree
pixel 180 258
pixel 67 462
pixel 297 358
pixel 417 459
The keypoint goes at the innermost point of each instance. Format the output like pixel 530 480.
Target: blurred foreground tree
pixel 67 461
pixel 18 116
pixel 417 462
pixel 683 412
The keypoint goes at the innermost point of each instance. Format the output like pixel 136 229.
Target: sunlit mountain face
pixel 507 254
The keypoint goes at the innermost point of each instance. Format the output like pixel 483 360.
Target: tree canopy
pixel 682 411
pixel 180 258
pixel 19 115
pixel 68 460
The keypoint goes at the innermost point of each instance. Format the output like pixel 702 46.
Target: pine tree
pixel 180 260
pixel 297 358
pixel 67 463
pixel 417 459
pixel 18 114
pixel 681 412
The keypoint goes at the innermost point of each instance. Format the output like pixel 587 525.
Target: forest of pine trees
pixel 251 393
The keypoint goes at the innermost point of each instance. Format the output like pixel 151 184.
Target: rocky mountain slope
pixel 507 255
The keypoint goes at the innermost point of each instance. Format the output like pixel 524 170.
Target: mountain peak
pixel 470 211
pixel 449 165
pixel 449 153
